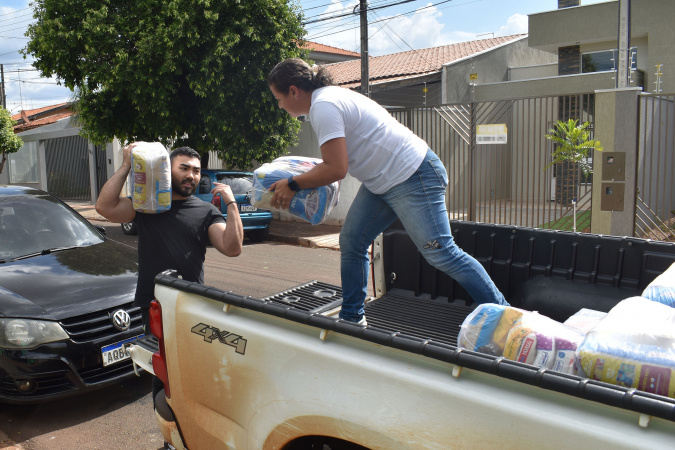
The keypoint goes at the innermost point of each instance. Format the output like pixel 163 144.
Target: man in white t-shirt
pixel 401 178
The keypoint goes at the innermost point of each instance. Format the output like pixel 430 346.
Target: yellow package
pixel 150 178
pixel 506 322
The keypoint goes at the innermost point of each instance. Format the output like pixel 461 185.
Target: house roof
pixel 322 48
pixel 413 63
pixel 34 118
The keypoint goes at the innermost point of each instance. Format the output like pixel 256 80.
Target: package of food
pixel 633 346
pixel 662 289
pixel 520 335
pixel 150 178
pixel 313 205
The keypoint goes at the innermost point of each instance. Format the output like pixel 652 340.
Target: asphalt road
pixel 121 417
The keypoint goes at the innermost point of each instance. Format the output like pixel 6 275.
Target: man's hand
pixel 109 203
pixel 225 191
pixel 282 194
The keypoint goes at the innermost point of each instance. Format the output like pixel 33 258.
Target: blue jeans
pixel 420 204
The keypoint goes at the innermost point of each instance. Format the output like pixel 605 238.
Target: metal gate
pixel 67 163
pixel 506 183
pixel 655 203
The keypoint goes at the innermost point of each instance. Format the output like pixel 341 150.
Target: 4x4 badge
pixel 121 320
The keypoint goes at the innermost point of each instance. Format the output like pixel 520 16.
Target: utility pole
pixel 365 86
pixel 3 96
pixel 624 60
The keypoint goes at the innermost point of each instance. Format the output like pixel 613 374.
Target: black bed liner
pixel 429 327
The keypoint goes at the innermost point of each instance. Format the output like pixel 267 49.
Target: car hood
pixel 70 282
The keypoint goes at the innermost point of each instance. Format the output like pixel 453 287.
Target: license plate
pixel 248 208
pixel 115 353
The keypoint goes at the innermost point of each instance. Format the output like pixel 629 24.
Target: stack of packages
pixel 633 345
pixel 312 205
pixel 520 335
pixel 150 178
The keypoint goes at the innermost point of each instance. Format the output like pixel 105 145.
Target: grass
pixel 567 223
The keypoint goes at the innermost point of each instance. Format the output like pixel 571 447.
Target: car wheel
pixel 129 228
pixel 259 235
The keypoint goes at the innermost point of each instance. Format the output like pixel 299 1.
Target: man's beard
pixel 181 189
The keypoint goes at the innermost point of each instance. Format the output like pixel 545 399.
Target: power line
pixel 15 12
pixel 401 2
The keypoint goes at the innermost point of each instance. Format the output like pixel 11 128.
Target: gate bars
pixel 506 183
pixel 655 204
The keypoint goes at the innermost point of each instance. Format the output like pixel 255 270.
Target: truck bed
pixel 398 311
pixel 429 327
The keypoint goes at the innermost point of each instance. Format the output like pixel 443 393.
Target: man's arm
pixel 227 238
pixel 109 203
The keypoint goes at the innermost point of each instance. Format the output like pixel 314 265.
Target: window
pixel 605 60
pixel 23 165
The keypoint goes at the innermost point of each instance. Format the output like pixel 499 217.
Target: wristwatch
pixel 292 184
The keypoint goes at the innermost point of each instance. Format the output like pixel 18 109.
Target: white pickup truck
pixel 284 373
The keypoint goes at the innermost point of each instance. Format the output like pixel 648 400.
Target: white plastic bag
pixel 520 335
pixel 662 289
pixel 633 346
pixel 313 205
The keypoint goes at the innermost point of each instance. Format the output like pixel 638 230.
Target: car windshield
pixel 33 224
pixel 240 184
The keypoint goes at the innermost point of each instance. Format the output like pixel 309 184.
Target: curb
pixel 7 444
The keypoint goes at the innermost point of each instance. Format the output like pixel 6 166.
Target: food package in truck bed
pixel 150 178
pixel 313 205
pixel 633 346
pixel 520 335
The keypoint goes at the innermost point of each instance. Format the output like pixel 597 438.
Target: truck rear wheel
pixel 322 443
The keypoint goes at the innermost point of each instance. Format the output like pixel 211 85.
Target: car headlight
pixel 26 333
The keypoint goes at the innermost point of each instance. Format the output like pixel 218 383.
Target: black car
pixel 66 294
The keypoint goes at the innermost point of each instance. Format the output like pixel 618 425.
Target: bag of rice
pixel 150 178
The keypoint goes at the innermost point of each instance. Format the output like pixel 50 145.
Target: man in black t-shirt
pixel 177 238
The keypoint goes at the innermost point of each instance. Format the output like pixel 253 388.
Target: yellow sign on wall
pixel 491 134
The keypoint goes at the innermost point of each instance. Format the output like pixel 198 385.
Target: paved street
pixel 121 417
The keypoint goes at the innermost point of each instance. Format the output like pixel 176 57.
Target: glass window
pixel 23 166
pixel 605 60
pixel 239 183
pixel 33 223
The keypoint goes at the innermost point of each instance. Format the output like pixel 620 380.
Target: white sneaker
pixel 363 321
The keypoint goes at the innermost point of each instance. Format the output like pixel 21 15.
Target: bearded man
pixel 177 238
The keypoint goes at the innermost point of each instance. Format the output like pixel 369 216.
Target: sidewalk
pixel 296 233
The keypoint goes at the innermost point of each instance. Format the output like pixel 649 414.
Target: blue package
pixel 313 205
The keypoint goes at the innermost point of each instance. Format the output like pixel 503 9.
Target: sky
pixel 412 24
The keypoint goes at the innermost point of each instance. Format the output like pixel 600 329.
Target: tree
pixel 574 144
pixel 9 141
pixel 572 147
pixel 184 72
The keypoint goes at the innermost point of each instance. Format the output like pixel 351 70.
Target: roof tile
pixel 413 62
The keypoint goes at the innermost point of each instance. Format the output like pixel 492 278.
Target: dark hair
pixel 185 151
pixel 296 72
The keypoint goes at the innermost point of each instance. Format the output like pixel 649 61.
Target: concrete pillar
pixel 616 127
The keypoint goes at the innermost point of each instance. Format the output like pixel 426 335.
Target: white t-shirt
pixel 382 152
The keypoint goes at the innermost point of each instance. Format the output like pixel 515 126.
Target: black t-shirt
pixel 174 239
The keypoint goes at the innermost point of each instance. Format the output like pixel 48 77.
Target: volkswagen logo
pixel 121 320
